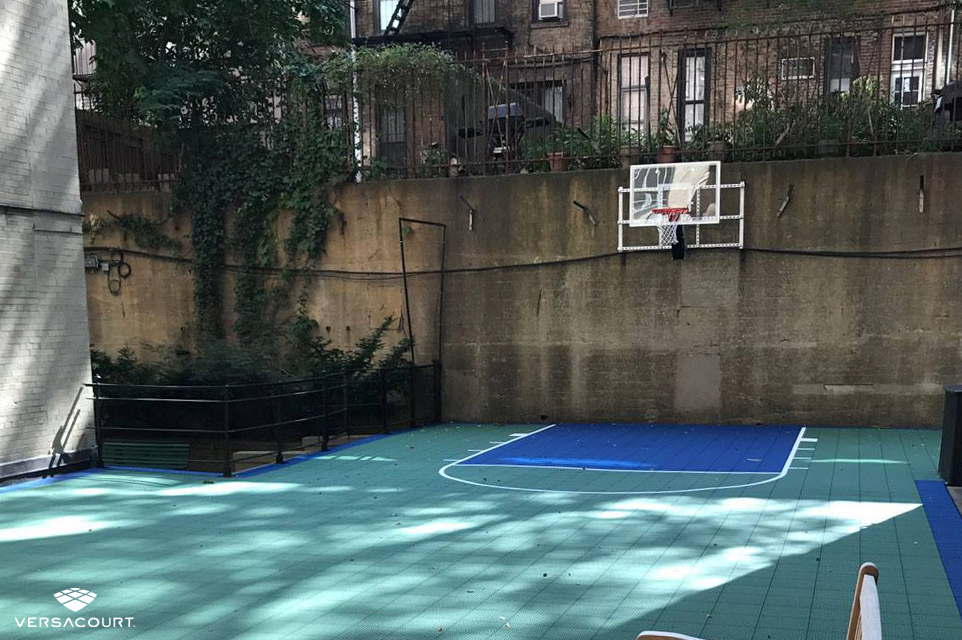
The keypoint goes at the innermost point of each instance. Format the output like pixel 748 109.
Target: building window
pixel 385 9
pixel 392 125
pixel 692 92
pixel 908 68
pixel 633 92
pixel 546 10
pixel 548 96
pixel 797 68
pixel 632 8
pixel 334 111
pixel 841 64
pixel 483 11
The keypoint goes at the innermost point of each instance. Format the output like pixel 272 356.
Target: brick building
pixel 651 65
pixel 44 342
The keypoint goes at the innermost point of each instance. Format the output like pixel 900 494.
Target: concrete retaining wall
pixel 724 336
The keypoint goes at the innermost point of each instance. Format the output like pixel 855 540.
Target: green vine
pixel 145 233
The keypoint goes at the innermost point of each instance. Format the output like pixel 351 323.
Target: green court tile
pixel 315 549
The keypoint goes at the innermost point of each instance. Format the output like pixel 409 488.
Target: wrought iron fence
pixel 879 85
pixel 225 427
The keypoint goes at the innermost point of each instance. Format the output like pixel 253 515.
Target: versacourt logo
pixel 75 599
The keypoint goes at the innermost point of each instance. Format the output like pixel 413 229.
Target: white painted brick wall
pixel 44 339
pixel 38 143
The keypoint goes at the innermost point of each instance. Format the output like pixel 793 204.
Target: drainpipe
pixel 355 107
pixel 948 59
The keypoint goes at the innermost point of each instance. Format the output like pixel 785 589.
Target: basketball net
pixel 668 228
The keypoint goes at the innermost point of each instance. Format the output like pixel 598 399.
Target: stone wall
pixel 544 320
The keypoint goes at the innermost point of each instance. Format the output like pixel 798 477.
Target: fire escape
pixel 446 23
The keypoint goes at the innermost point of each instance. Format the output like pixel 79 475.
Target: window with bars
pixel 547 95
pixel 797 68
pixel 633 92
pixel 692 92
pixel 908 68
pixel 841 64
pixel 632 8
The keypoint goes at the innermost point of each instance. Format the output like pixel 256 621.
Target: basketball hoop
pixel 668 227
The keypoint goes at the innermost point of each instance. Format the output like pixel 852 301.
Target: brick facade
pixel 44 341
pixel 694 65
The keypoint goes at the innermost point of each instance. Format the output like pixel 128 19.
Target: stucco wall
pixel 722 336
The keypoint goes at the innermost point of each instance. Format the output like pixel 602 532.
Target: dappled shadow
pixel 384 547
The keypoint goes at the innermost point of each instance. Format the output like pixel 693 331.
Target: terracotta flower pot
pixel 557 161
pixel 668 153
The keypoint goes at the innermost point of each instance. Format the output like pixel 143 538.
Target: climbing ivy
pixel 145 233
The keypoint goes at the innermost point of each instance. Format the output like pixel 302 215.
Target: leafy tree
pixel 177 64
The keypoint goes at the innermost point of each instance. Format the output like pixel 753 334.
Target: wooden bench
pixel 865 622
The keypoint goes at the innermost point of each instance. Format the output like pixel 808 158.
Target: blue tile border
pixel 274 466
pixel 30 484
pixel 946 525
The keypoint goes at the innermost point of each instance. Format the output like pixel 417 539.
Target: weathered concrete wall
pixel 722 336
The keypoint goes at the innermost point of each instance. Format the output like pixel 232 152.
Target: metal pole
pixel 382 376
pixel 444 242
pixel 437 392
pixel 404 277
pixel 326 419
pixel 279 455
pixel 414 413
pixel 346 410
pixel 741 216
pixel 228 461
pixel 98 432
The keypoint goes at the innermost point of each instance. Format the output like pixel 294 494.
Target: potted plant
pixel 667 139
pixel 557 161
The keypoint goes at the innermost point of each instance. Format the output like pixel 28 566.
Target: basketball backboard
pixel 657 189
pixel 660 197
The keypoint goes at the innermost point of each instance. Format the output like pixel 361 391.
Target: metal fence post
pixel 346 404
pixel 279 456
pixel 382 378
pixel 325 436
pixel 414 412
pixel 98 426
pixel 437 391
pixel 228 458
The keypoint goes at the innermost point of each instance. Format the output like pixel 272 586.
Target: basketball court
pixel 502 531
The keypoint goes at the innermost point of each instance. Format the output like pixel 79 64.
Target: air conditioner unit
pixel 549 10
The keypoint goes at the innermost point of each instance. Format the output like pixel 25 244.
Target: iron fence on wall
pixel 223 427
pixel 867 87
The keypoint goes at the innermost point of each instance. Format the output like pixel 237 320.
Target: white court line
pixel 496 442
pixel 519 435
pixel 803 457
pixel 809 439
pixel 801 468
pixel 806 448
pixel 443 471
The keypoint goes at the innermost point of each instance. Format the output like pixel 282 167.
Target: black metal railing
pixel 868 86
pixel 222 427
